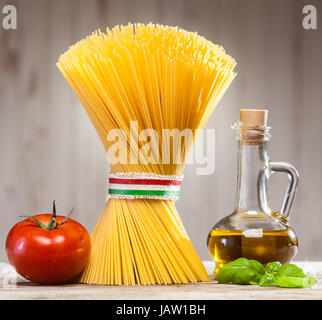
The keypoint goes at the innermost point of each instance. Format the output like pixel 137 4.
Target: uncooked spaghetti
pixel 162 78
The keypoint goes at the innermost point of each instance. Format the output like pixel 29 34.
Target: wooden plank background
pixel 49 149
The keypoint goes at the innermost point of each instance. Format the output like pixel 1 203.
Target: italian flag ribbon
pixel 137 185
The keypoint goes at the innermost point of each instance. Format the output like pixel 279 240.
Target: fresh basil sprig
pixel 244 271
pixel 271 271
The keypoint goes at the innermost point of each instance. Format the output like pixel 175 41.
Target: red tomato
pixel 48 256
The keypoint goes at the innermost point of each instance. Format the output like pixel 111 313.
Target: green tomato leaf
pixel 241 271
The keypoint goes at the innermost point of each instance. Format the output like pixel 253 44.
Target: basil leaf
pixel 291 276
pixel 271 271
pixel 307 281
pixel 289 282
pixel 291 270
pixel 241 271
pixel 268 280
pixel 244 271
pixel 273 267
pixel 310 281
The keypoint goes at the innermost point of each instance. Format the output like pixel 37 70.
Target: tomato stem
pixel 52 224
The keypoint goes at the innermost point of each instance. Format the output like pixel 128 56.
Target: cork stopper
pixel 251 117
pixel 254 122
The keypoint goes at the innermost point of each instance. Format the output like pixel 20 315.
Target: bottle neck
pixel 252 167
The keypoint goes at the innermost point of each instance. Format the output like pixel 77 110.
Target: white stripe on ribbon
pixel 143 187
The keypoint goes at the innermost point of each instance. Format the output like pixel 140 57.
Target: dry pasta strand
pixel 164 78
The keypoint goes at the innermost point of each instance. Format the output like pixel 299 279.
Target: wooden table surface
pixel 196 291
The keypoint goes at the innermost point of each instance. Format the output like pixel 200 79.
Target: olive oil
pixel 252 230
pixel 262 245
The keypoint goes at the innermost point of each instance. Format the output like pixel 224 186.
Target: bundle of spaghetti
pixel 161 77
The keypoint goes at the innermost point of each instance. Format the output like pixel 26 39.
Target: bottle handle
pixel 293 177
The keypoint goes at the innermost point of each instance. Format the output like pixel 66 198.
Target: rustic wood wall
pixel 49 149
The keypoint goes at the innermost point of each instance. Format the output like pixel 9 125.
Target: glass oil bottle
pixel 253 230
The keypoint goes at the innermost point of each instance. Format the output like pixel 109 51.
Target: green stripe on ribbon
pixel 144 192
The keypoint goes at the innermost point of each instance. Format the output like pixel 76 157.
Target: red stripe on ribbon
pixel 145 181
